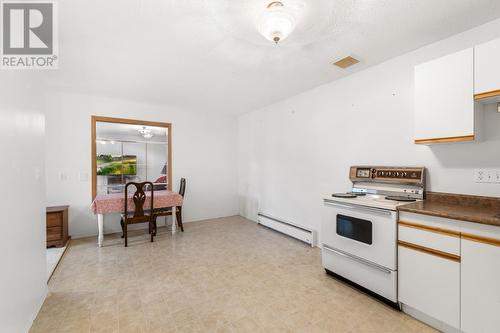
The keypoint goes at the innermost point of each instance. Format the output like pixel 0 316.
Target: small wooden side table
pixel 57 226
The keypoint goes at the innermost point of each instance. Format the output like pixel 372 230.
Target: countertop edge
pixel 447 215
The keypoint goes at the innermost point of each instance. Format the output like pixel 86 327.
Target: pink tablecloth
pixel 115 202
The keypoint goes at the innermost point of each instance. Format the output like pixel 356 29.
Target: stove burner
pixel 400 198
pixel 348 195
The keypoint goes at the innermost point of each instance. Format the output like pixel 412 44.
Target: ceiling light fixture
pixel 276 22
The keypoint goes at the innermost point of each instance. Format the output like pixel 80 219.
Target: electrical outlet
pixel 487 175
pixel 496 176
pixel 479 175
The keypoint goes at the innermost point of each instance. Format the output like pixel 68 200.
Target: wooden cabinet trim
pixel 481 239
pixel 451 233
pixel 463 138
pixel 427 250
pixel 437 230
pixel 487 94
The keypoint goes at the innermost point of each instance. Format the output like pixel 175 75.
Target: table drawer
pixel 54 219
pixel 54 233
pixel 430 237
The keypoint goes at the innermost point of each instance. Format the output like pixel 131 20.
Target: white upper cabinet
pixel 444 99
pixel 487 70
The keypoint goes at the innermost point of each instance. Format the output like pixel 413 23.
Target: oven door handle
pixel 360 207
pixel 358 259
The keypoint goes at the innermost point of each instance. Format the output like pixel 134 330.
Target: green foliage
pixel 116 165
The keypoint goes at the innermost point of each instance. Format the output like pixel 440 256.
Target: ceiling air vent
pixel 346 62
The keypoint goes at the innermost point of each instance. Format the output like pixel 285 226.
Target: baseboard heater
pixel 296 231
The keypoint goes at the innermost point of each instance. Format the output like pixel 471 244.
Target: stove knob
pixel 405 174
pixel 397 173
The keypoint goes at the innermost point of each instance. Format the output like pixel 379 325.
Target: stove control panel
pixel 413 175
pixel 398 174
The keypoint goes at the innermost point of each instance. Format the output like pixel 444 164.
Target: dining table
pixel 113 203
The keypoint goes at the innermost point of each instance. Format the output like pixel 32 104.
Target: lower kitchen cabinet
pixel 449 272
pixel 480 290
pixel 430 284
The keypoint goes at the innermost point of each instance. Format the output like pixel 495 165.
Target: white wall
pixel 22 248
pixel 204 149
pixel 293 152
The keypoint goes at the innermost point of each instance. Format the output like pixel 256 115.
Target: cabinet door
pixel 480 287
pixel 430 284
pixel 487 67
pixel 444 99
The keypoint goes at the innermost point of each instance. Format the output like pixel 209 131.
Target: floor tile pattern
pixel 222 275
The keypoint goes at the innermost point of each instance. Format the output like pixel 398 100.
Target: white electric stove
pixel 359 227
pixel 370 200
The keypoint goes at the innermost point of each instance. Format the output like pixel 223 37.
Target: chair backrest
pixel 139 199
pixel 182 187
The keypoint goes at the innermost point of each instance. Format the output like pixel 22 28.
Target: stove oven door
pixel 365 233
pixel 359 243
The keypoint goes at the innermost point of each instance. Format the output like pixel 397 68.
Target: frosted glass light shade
pixel 276 24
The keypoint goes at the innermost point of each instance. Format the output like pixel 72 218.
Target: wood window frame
pixel 95 119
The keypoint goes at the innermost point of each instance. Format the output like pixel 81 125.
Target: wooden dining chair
pixel 168 210
pixel 140 214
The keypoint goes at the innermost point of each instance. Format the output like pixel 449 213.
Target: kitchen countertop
pixel 477 209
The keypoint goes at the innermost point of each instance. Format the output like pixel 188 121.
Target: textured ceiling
pixel 207 55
